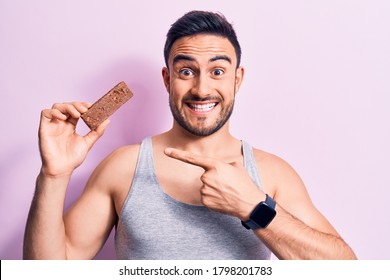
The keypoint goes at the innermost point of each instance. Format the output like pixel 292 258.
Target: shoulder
pixel 283 183
pixel 117 168
pixel 272 162
pixel 279 178
pixel 126 155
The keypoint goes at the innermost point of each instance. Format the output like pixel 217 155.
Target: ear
pixel 166 77
pixel 239 78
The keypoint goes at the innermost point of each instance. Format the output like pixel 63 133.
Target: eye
pixel 186 72
pixel 218 72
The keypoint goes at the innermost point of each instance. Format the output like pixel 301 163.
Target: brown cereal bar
pixel 107 105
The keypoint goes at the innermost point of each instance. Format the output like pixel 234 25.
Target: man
pixel 193 192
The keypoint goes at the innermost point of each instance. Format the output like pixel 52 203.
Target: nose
pixel 201 87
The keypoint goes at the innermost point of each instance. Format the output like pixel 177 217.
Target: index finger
pixel 205 162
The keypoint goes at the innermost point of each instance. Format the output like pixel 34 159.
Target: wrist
pixel 47 181
pixel 46 173
pixel 51 186
pixel 250 205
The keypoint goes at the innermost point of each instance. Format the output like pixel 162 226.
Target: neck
pixel 212 145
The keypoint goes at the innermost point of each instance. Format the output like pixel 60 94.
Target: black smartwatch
pixel 262 215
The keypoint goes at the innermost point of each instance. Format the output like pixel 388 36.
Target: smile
pixel 202 108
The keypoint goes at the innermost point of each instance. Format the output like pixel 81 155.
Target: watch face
pixel 263 215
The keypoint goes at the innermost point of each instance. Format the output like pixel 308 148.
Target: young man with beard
pixel 193 192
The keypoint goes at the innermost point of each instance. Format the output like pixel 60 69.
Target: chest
pixel 154 226
pixel 180 181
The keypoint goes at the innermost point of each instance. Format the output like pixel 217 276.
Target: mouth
pixel 203 107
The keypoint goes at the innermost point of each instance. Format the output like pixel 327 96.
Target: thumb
pixel 91 137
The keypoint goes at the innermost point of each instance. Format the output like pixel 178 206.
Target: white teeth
pixel 202 107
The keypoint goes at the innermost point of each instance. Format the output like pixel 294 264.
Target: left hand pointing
pixel 227 187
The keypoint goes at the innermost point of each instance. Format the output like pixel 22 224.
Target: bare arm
pixel 290 238
pixel 62 150
pixel 298 231
pixel 45 232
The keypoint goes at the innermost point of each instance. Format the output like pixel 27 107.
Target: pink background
pixel 316 93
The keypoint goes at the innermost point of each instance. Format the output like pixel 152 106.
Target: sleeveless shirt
pixel 153 225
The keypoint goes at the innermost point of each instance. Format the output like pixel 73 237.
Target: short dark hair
pixel 201 22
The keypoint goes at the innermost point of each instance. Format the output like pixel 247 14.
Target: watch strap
pixel 269 201
pixel 249 224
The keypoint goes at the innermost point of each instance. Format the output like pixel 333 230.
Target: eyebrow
pixel 221 57
pixel 180 57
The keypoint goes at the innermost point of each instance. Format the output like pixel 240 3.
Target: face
pixel 202 81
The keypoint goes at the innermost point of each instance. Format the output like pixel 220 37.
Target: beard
pixel 201 129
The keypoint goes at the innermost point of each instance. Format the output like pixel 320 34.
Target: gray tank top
pixel 153 225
